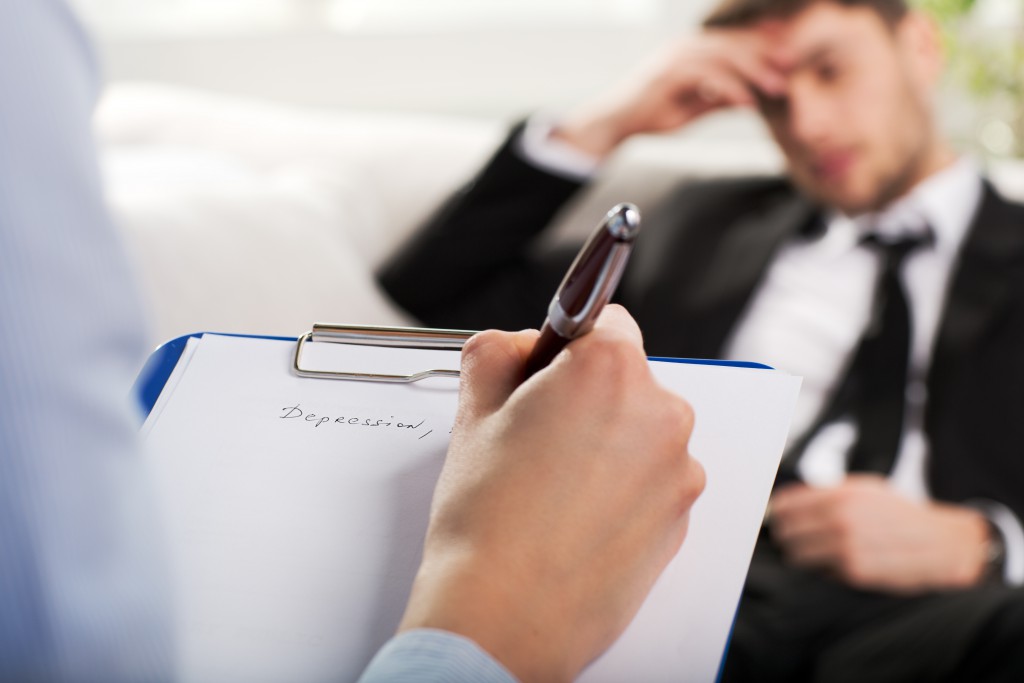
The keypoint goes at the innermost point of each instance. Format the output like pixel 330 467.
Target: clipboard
pixel 252 511
pixel 161 363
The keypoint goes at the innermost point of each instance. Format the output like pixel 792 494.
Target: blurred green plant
pixel 986 59
pixel 944 10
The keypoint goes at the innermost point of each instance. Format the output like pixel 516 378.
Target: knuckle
pixel 481 343
pixel 669 407
pixel 671 416
pixel 682 412
pixel 674 418
pixel 696 478
pixel 612 356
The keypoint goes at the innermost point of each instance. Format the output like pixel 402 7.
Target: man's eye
pixel 772 107
pixel 828 73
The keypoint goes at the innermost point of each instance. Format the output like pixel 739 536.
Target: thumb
pixel 493 364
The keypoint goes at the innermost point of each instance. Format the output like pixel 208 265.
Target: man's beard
pixel 887 188
pixel 900 182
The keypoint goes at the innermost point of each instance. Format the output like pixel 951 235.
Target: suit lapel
pixel 745 250
pixel 982 282
pixel 693 276
pixel 737 264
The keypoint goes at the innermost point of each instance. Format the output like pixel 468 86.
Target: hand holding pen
pixel 588 286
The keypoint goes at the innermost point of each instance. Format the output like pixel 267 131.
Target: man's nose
pixel 811 119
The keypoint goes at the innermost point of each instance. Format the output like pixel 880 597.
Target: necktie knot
pixel 894 250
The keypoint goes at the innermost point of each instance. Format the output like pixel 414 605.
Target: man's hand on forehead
pixel 750 55
pixel 773 39
pixel 711 71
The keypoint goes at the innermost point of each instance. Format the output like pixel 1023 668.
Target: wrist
pixel 598 136
pixel 965 543
pixel 994 554
pixel 460 596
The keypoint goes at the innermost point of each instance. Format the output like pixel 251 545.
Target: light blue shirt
pixel 82 593
pixel 430 656
pixel 79 575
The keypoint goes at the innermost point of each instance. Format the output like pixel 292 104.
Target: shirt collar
pixel 946 202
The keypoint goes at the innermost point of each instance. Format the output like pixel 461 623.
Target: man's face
pixel 855 124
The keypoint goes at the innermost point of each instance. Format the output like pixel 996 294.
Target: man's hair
pixel 740 13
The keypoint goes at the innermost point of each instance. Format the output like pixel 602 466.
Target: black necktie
pixel 873 391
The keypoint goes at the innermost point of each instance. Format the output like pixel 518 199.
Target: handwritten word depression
pixel 315 420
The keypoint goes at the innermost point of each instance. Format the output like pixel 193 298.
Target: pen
pixel 588 286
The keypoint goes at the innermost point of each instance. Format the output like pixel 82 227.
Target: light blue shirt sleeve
pixel 432 656
pixel 82 589
pixel 81 582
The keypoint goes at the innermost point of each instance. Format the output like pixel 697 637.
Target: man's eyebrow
pixel 818 54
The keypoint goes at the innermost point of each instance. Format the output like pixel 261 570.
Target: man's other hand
pixel 874 538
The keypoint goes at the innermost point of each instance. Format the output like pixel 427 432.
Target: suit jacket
pixel 700 258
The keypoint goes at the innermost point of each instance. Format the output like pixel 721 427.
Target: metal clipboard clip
pixel 370 335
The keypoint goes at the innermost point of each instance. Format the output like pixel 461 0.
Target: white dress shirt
pixel 808 315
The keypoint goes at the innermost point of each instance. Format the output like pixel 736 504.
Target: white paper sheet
pixel 296 509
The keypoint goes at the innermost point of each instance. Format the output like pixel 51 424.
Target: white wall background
pixel 478 58
pixel 471 57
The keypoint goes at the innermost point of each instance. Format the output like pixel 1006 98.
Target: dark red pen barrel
pixel 548 346
pixel 588 285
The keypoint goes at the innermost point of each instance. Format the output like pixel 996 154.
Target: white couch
pixel 246 216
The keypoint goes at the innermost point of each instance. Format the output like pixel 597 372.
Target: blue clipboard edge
pixel 709 361
pixel 161 363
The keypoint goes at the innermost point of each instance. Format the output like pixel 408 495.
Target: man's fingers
pixel 800 498
pixel 790 527
pixel 803 527
pixel 799 512
pixel 709 83
pixel 492 367
pixel 757 71
pixel 729 92
pixel 819 550
pixel 729 70
pixel 747 55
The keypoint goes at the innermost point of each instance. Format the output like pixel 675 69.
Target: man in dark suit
pixel 883 269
